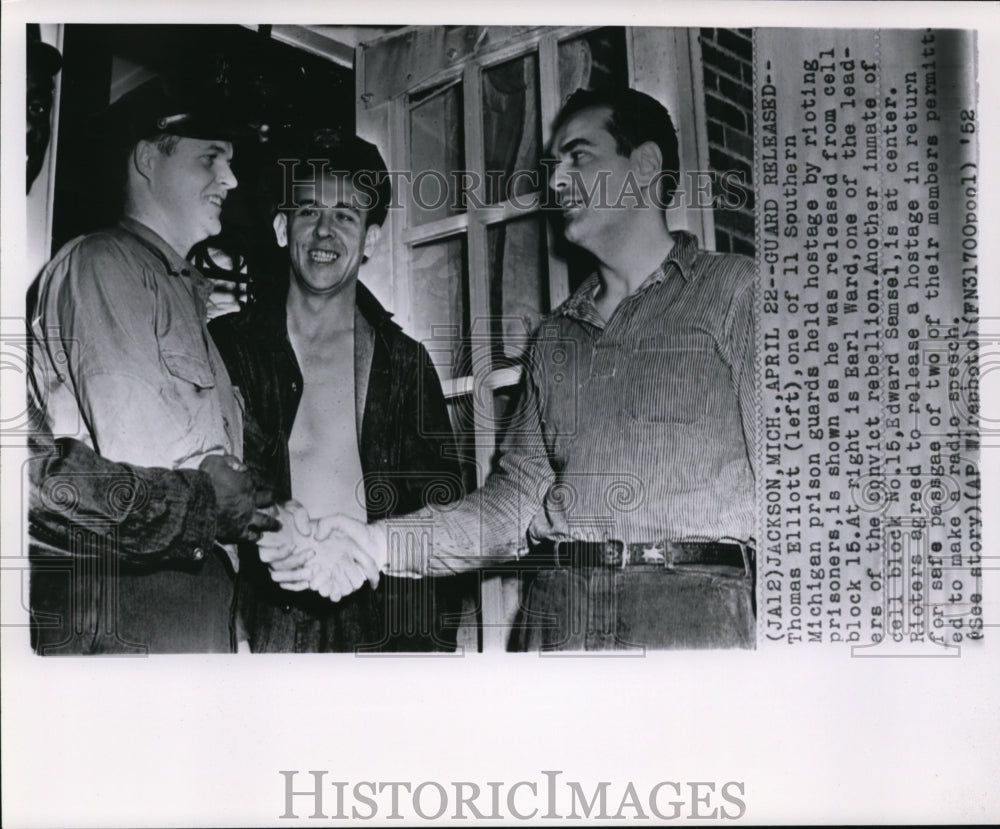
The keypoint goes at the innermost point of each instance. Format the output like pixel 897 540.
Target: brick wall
pixel 727 55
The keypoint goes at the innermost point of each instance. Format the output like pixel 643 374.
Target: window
pixel 477 253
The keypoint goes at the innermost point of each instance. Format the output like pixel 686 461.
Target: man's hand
pixel 289 549
pixel 407 561
pixel 238 500
pixel 340 566
pixel 369 539
pixel 293 532
pixel 357 546
pixel 332 563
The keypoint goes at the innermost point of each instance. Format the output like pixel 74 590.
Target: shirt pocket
pixel 666 380
pixel 189 367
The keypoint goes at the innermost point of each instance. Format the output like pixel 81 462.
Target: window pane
pixel 439 303
pixel 519 278
pixel 460 410
pixel 595 60
pixel 437 152
pixel 511 128
pixel 504 408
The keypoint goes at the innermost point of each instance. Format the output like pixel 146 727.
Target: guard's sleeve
pixel 152 515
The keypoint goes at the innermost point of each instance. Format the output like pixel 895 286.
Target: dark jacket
pixel 408 458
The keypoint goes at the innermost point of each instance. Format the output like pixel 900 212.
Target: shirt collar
pixel 271 315
pixel 176 264
pixel 581 305
pixel 682 255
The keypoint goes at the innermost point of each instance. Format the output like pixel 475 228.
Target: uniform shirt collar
pixel 270 313
pixel 176 264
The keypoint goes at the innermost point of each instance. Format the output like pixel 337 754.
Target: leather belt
pixel 661 554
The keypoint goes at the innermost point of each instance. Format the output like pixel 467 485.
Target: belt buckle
pixel 615 553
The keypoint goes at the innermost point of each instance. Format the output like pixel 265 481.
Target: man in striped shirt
pixel 626 483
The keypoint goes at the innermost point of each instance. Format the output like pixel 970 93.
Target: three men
pixel 353 404
pixel 122 360
pixel 629 475
pixel 627 484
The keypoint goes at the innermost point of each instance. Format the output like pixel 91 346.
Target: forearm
pixel 153 515
pixel 488 526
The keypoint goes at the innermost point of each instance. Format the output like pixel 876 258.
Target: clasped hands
pixel 334 555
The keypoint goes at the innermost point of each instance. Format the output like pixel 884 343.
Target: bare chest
pixel 323 446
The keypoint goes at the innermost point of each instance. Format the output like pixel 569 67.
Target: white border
pixel 815 736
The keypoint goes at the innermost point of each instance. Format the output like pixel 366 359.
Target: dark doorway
pixel 276 86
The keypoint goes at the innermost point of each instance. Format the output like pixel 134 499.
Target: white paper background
pixel 815 735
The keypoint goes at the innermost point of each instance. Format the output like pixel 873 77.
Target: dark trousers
pixel 399 616
pixel 98 604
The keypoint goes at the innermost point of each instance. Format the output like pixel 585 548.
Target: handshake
pixel 334 555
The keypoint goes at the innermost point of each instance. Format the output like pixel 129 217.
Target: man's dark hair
pixel 635 119
pixel 331 152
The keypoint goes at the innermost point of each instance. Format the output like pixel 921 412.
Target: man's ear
pixel 143 158
pixel 647 159
pixel 372 235
pixel 280 225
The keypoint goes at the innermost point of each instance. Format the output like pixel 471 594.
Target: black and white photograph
pixel 447 417
pixel 607 481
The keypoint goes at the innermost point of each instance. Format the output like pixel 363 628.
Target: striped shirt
pixel 640 429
